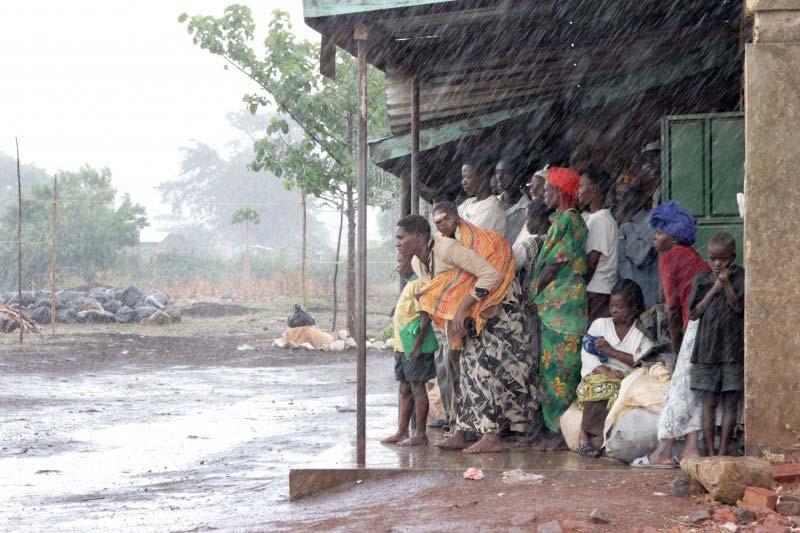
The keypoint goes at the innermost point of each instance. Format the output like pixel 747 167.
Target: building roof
pixel 553 64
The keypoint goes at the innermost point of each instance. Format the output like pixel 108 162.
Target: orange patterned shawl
pixel 441 296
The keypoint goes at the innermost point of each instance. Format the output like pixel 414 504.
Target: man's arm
pixel 592 259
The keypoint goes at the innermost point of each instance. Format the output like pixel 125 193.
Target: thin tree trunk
pixel 305 244
pixel 336 267
pixel 19 243
pixel 53 258
pixel 246 263
pixel 351 261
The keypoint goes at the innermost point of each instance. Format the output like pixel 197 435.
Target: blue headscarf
pixel 674 220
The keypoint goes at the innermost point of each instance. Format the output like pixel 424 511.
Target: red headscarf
pixel 567 181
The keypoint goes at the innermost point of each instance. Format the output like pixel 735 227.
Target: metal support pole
pixel 361 285
pixel 415 145
pixel 53 256
pixel 19 243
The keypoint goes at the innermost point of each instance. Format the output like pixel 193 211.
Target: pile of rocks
pixel 99 305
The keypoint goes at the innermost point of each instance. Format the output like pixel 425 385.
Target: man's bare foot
pixel 489 443
pixel 657 458
pixel 394 439
pixel 456 441
pixel 416 440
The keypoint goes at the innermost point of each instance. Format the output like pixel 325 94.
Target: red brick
pixel 755 497
pixel 723 516
pixel 786 473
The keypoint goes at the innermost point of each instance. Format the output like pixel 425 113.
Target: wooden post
pixel 361 286
pixel 415 145
pixel 19 241
pixel 304 245
pixel 53 257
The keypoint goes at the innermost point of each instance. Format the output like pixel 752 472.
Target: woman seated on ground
pixel 611 348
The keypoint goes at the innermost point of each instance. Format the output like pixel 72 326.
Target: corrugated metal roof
pixel 328 8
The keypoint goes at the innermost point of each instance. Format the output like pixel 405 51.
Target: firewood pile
pixel 10 320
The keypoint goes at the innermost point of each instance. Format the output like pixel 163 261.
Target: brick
pixel 786 473
pixel 550 527
pixel 723 516
pixel 755 497
pixel 789 507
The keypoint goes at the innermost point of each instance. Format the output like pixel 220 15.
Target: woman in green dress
pixel 558 290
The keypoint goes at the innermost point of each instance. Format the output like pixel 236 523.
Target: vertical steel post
pixel 361 285
pixel 415 144
pixel 19 244
pixel 53 256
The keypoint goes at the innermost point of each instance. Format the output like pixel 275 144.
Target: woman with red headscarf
pixel 559 291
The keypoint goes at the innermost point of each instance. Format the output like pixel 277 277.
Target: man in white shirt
pixel 482 208
pixel 512 199
pixel 602 242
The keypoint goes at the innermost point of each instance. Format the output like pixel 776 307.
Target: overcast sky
pixel 117 84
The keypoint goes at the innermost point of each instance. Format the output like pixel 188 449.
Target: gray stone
pixel 598 516
pixel 28 298
pixel 112 306
pixel 124 315
pixel 744 516
pixel 634 435
pixel 727 477
pixel 144 311
pixel 41 315
pixel 159 318
pixel 788 507
pixel 67 316
pixel 101 294
pixel 157 299
pixel 680 486
pixel 63 298
pixel 94 316
pixel 131 297
pixel 698 518
pixel 86 304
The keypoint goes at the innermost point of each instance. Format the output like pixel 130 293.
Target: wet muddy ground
pixel 182 429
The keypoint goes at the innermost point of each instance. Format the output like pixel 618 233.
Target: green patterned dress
pixel 562 311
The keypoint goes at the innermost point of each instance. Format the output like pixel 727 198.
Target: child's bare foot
pixel 394 439
pixel 456 441
pixel 489 443
pixel 416 440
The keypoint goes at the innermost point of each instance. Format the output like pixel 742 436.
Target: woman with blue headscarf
pixel 679 263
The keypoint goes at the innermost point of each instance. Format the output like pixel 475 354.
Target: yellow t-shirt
pixel 406 311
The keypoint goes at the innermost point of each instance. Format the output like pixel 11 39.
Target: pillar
pixel 772 231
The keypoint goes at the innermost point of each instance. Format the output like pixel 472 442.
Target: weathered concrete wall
pixel 772 226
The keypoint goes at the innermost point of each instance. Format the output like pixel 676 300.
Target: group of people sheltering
pixel 543 294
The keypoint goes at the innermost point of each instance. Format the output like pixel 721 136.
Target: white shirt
pixel 634 343
pixel 604 238
pixel 520 247
pixel 487 214
pixel 516 216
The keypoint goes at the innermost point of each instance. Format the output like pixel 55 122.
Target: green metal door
pixel 702 166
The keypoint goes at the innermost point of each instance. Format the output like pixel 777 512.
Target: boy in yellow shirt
pixel 414 347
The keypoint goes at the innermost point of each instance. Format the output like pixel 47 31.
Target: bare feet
pixel 489 443
pixel 416 440
pixel 456 441
pixel 394 439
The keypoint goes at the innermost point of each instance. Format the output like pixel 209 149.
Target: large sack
pixel 570 423
pixel 634 435
pixel 307 334
pixel 300 318
pixel 644 387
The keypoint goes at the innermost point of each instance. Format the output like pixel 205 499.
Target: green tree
pixel 325 110
pixel 93 226
pixel 246 215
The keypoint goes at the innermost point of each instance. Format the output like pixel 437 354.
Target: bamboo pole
pixel 336 266
pixel 53 257
pixel 415 145
pixel 305 244
pixel 19 243
pixel 361 285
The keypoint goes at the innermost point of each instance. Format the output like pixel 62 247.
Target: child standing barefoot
pixel 717 371
pixel 611 348
pixel 414 348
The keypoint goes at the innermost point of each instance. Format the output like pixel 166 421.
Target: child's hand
pixel 724 276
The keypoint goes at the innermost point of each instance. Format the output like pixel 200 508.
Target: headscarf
pixel 674 220
pixel 567 181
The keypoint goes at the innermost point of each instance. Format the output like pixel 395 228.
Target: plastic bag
pixel 300 318
pixel 408 336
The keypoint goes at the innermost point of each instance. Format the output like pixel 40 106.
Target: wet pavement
pixel 171 447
